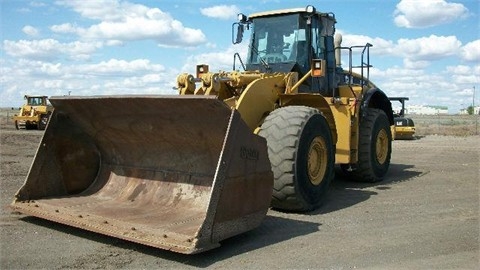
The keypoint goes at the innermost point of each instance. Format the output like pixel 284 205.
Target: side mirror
pixel 237 33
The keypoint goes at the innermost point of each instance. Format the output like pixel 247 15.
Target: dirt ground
pixel 425 215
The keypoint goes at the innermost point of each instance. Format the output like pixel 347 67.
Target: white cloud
pixel 115 76
pixel 417 85
pixel 465 92
pixel 143 28
pixel 24 10
pixel 429 88
pixel 49 49
pixel 117 67
pixel 412 64
pixel 37 4
pixel 471 79
pixel 51 69
pixel 148 81
pixel 48 84
pixel 124 21
pixel 34 70
pixel 30 30
pixel 222 12
pixel 64 28
pixel 417 51
pixel 114 42
pixel 461 69
pixel 218 60
pixel 396 74
pixel 422 14
pixel 462 74
pixel 101 9
pixel 428 48
pixel 471 51
pixel 380 46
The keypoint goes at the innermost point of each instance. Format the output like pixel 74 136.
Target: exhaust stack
pixel 338 51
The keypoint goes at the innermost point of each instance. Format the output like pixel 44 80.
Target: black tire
pixel 43 121
pixel 297 136
pixel 16 125
pixel 375 148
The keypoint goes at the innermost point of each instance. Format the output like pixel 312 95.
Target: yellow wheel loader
pixel 404 126
pixel 184 172
pixel 34 114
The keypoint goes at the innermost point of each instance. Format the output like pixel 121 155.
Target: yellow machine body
pixel 404 128
pixel 261 93
pixel 34 114
pixel 404 132
pixel 184 172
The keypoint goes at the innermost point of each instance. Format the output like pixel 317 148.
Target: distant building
pixel 476 110
pixel 426 109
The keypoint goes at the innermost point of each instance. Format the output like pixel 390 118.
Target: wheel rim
pixel 317 160
pixel 382 146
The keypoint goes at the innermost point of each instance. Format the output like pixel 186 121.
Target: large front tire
pixel 302 155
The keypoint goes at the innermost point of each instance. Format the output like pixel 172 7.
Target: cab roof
pixel 286 11
pixel 277 12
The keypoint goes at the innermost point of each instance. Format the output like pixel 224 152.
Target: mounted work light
pixel 310 9
pixel 242 17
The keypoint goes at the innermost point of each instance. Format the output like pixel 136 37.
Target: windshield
pixel 277 39
pixel 35 101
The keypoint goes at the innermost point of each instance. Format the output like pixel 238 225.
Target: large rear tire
pixel 302 155
pixel 375 148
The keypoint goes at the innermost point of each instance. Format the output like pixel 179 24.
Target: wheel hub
pixel 381 146
pixel 317 160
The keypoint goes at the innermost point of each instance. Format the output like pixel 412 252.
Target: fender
pixel 376 98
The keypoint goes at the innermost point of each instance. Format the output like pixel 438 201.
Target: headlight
pixel 310 9
pixel 242 17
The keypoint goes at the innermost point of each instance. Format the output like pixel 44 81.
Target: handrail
pixel 363 65
pixel 239 59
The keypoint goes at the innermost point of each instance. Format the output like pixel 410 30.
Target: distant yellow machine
pixel 34 114
pixel 404 127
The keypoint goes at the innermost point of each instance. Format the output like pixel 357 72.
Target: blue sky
pixel 428 50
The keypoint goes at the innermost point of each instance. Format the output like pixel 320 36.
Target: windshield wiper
pixel 262 61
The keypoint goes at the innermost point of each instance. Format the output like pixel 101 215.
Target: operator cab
pixel 275 43
pixel 35 100
pixel 288 40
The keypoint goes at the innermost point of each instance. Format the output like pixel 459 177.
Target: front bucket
pixel 175 172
